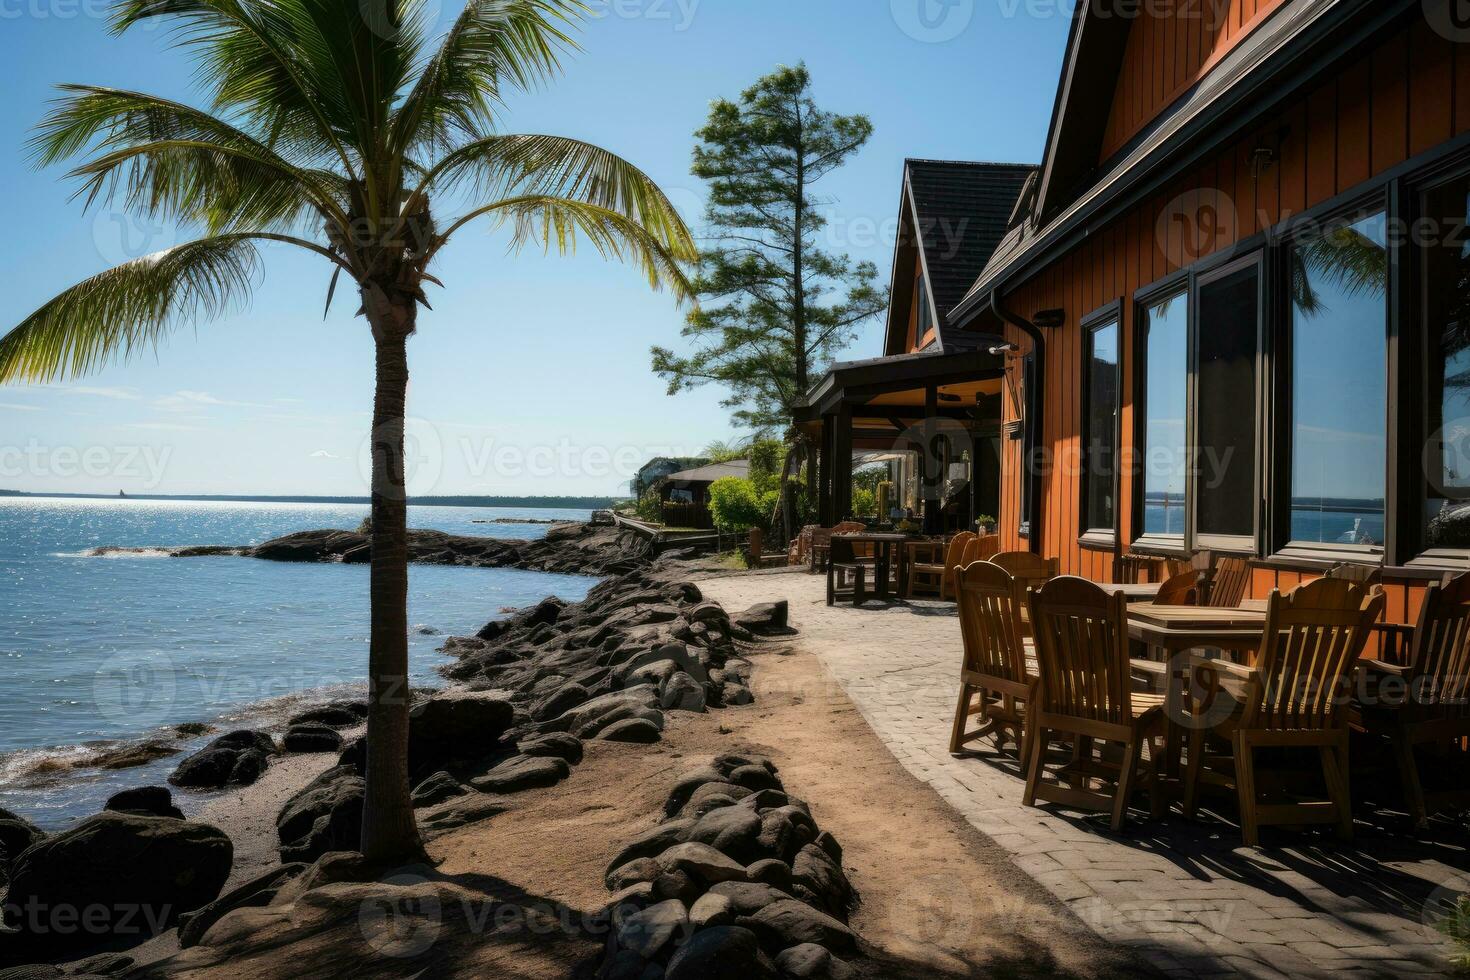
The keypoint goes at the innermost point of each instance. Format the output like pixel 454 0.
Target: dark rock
pixel 325 816
pixel 812 962
pixel 132 756
pixel 703 862
pixel 733 830
pixel 638 870
pixel 766 799
pixel 151 868
pixel 560 701
pixel 436 789
pixel 649 931
pixel 236 758
pixel 638 730
pixel 560 745
pixel 720 953
pixel 754 777
pixel 459 811
pixel 736 695
pixel 815 871
pixel 711 909
pixel 765 619
pixel 16 834
pixel 829 844
pixel 727 791
pixel 455 726
pixel 149 801
pixel 687 784
pixel 708 612
pixel 343 714
pixel 771 872
pixel 778 836
pixel 255 893
pixel 623 965
pixel 676 884
pixel 682 693
pixel 788 923
pixel 749 898
pixel 521 773
pixel 311 738
pixel 652 842
pixel 354 754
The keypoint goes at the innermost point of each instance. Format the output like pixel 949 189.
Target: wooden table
pixel 1135 591
pixel 883 549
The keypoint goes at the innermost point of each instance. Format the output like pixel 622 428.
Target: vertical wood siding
pixel 1411 94
pixel 1170 48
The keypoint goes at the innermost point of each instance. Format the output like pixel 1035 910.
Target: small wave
pixel 115 553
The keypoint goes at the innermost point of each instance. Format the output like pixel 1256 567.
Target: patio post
pixel 841 466
pixel 824 475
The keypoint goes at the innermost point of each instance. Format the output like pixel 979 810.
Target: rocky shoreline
pixel 568 548
pixel 527 693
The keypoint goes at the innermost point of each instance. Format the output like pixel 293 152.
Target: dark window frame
pixel 1105 538
pixel 1177 284
pixel 1279 543
pixel 1201 277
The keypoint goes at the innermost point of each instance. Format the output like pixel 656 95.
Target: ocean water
pixel 100 652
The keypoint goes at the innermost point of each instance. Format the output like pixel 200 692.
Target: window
pixel 1226 372
pixel 1337 285
pixel 924 322
pixel 1100 434
pixel 1446 510
pixel 1164 396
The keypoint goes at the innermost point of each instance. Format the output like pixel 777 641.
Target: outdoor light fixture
pixel 1050 319
pixel 1004 350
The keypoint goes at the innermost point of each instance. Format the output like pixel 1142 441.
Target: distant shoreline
pixel 541 503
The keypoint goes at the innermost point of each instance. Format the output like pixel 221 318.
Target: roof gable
pixel 952 216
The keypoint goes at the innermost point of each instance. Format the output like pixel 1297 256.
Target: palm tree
pixel 335 125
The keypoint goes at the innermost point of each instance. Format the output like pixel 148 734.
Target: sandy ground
pixel 513 896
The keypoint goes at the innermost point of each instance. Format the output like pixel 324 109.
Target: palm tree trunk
pixel 389 834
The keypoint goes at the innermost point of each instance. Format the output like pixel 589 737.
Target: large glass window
pixel 1338 283
pixel 1166 328
pixel 1101 437
pixel 1229 335
pixel 1447 350
pixel 923 322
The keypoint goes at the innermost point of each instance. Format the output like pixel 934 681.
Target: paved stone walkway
pixel 1185 894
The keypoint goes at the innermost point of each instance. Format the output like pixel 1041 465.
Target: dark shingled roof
pixel 962 210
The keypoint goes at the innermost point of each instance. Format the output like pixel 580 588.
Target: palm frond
pixel 252 59
pixel 490 44
pixel 555 166
pixel 556 223
pixel 128 309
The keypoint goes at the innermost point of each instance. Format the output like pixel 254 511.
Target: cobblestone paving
pixel 1185 894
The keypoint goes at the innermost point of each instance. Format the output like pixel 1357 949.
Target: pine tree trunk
pixel 389 834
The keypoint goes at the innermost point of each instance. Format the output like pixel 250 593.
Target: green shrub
pixel 735 506
pixel 650 507
pixel 864 502
pixel 766 457
pixel 1456 925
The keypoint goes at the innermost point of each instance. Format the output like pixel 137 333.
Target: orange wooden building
pixel 1231 308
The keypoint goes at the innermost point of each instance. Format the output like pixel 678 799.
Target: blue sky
pixel 531 374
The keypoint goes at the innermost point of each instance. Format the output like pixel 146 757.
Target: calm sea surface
pixel 97 652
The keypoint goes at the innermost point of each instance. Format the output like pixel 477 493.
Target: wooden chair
pixel 1085 693
pixel 1360 574
pixel 1428 701
pixel 1030 570
pixel 994 681
pixel 819 549
pixel 1229 583
pixel 934 577
pixel 1295 697
pixel 847 574
pixel 1136 569
pixel 1181 590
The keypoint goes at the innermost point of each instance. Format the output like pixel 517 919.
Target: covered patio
pixel 932 418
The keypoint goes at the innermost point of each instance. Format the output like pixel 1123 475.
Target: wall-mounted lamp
pixel 1050 319
pixel 1263 158
pixel 1005 350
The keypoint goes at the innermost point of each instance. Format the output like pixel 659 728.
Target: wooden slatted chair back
pixel 1439 667
pixel 1181 590
pixel 1082 651
pixel 990 622
pixel 980 548
pixel 1360 574
pixel 954 554
pixel 1230 583
pixel 1029 569
pixel 1313 638
pixel 1137 569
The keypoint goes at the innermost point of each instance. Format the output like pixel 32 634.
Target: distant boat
pixel 121 494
